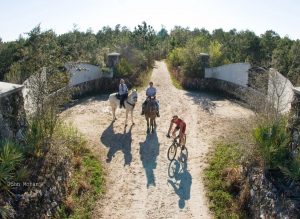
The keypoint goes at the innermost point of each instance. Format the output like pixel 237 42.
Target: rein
pixel 131 104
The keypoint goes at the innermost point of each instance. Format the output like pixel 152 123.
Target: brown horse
pixel 150 115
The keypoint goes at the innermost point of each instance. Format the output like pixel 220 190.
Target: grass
pixel 175 82
pixel 143 80
pixel 220 177
pixel 87 182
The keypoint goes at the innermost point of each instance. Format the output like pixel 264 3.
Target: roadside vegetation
pixel 87 182
pixel 262 142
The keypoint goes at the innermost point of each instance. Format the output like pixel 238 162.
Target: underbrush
pixel 227 190
pixel 20 163
pixel 86 184
pixel 175 82
pixel 261 144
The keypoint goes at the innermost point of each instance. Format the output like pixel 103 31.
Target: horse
pixel 150 115
pixel 129 104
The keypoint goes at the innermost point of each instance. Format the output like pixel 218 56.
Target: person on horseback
pixel 123 92
pixel 181 126
pixel 150 93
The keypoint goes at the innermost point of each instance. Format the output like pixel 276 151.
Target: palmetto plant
pixel 272 140
pixel 10 160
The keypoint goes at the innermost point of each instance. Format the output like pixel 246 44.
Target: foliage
pixel 123 68
pixel 11 158
pixel 176 57
pixel 223 203
pixel 292 169
pixel 272 139
pixel 87 182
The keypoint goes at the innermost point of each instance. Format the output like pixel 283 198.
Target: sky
pixel 20 16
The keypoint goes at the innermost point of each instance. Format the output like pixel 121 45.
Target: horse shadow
pixel 181 183
pixel 117 142
pixel 149 150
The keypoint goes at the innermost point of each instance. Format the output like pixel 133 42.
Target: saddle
pixel 150 101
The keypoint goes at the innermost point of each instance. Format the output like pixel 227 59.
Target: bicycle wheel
pixel 184 155
pixel 173 169
pixel 172 152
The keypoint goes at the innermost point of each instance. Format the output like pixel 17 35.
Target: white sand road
pixel 137 181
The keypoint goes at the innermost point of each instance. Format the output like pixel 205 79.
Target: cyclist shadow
pixel 181 183
pixel 149 150
pixel 117 142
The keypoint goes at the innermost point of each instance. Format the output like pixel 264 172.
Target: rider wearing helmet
pixel 151 92
pixel 181 126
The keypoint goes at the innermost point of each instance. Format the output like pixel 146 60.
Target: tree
pixel 268 43
pixel 294 57
pixel 280 56
pixel 179 36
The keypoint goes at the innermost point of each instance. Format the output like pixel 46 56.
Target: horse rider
pixel 181 126
pixel 150 92
pixel 123 92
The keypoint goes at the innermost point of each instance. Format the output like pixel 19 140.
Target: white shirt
pixel 123 89
pixel 151 91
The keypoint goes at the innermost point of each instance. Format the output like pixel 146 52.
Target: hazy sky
pixel 19 17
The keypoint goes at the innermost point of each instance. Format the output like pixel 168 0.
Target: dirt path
pixel 138 185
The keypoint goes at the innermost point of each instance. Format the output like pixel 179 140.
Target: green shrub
pixel 106 70
pixel 10 159
pixel 272 140
pixel 123 68
pixel 176 57
pixel 292 170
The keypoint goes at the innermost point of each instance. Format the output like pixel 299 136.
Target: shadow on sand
pixel 181 182
pixel 117 142
pixel 206 100
pixel 149 150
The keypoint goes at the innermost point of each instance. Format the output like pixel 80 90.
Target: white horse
pixel 129 104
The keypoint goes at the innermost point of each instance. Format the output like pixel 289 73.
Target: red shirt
pixel 179 122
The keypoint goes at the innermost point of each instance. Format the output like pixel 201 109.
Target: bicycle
pixel 173 150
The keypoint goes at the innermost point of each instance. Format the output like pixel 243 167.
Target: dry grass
pixel 77 163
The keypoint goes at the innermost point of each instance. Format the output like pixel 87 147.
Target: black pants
pixel 123 97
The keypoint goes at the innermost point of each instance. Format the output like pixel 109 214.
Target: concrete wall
pixel 236 73
pixel 13 122
pixel 82 72
pixel 280 91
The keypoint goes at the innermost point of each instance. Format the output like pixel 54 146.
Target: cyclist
pixel 181 126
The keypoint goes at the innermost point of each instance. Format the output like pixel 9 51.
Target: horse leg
pixel 148 128
pixel 152 125
pixel 132 117
pixel 126 117
pixel 113 113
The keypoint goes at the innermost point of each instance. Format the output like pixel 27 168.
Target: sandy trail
pixel 138 185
